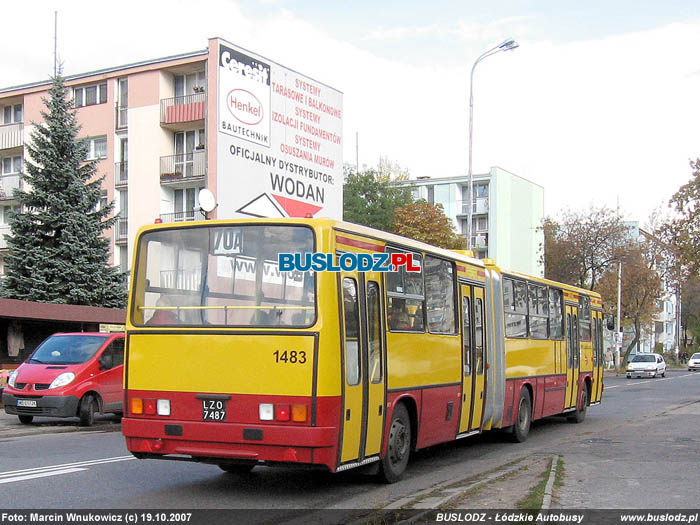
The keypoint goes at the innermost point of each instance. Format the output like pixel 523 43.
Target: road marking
pixel 41 475
pixel 655 380
pixel 64 466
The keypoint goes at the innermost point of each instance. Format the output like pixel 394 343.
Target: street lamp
pixel 506 45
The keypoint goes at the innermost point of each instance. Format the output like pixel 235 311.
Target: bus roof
pixel 563 286
pixel 356 229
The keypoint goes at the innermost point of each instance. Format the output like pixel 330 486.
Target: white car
pixel 646 365
pixel 694 362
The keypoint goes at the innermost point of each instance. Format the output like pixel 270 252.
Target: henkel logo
pixel 244 106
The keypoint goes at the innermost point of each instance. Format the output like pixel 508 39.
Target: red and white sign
pixel 279 140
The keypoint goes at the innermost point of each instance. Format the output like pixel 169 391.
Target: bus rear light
pixel 163 407
pixel 266 411
pixel 282 412
pixel 136 405
pixel 149 406
pixel 299 413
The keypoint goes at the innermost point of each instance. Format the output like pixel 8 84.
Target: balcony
pixel 11 136
pixel 184 167
pixel 480 206
pixel 121 174
pixel 8 185
pixel 480 240
pixel 121 230
pixel 183 216
pixel 121 117
pixel 181 110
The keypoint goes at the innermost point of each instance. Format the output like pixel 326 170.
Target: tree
pixel 641 289
pixel 583 245
pixel 683 232
pixel 370 198
pixel 690 312
pixel 57 253
pixel 427 222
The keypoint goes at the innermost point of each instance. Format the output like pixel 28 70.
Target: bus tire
pixel 398 448
pixel 580 413
pixel 523 417
pixel 87 411
pixel 237 468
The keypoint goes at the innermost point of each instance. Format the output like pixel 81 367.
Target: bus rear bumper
pixel 209 441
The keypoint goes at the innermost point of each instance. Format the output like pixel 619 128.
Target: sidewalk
pixel 10 427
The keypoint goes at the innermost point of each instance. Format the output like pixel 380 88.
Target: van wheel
pixel 25 420
pixel 523 418
pixel 580 413
pixel 87 411
pixel 398 448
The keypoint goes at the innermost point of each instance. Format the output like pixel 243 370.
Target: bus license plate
pixel 26 403
pixel 213 410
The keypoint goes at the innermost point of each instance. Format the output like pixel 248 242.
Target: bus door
pixel 597 324
pixel 467 356
pixel 363 361
pixel 374 356
pixel 572 356
pixel 479 392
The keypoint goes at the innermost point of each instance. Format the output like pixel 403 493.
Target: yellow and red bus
pixel 231 362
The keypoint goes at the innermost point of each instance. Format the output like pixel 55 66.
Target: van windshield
pixel 67 349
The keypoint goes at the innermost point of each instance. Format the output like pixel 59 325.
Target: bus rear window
pixel 223 276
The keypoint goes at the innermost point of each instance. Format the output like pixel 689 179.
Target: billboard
pixel 279 140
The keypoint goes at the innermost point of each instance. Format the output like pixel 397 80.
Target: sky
pixel 599 105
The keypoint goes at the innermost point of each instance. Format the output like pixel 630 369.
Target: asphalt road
pixel 639 449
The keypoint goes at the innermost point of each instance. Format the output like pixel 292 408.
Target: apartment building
pixel 153 127
pixel 507 211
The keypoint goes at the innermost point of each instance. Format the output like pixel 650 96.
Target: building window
pixel 431 194
pixel 96 148
pixel 190 84
pixel 90 95
pixel 5 214
pixel 11 165
pixel 12 114
pixel 481 190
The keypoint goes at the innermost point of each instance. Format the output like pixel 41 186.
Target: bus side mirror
pixel 610 322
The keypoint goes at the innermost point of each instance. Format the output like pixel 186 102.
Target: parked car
pixel 69 375
pixel 694 362
pixel 646 365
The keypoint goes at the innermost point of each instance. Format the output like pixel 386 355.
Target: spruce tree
pixel 57 251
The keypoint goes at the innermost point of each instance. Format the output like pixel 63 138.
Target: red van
pixel 69 375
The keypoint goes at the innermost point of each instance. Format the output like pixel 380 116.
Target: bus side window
pixel 479 334
pixel 375 332
pixel 352 332
pixel 467 335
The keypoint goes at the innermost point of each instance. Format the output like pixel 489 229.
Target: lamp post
pixel 506 45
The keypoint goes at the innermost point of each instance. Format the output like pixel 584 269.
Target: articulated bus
pixel 232 362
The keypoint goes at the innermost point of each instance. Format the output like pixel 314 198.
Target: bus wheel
pixel 236 468
pixel 523 418
pixel 580 413
pixel 399 446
